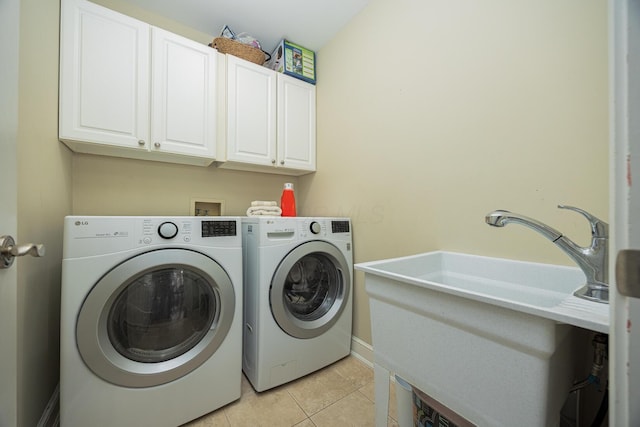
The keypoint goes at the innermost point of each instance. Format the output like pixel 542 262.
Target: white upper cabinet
pixel 131 90
pixel 183 95
pixel 104 76
pixel 296 124
pixel 270 121
pixel 251 113
pixel 128 89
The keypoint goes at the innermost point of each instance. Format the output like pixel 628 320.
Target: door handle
pixel 628 272
pixel 9 251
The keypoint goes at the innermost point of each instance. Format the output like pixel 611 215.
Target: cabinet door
pixel 104 76
pixel 296 124
pixel 183 96
pixel 251 113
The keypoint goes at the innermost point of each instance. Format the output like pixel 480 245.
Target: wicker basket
pixel 241 50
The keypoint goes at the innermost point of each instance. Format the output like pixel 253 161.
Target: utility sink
pixel 543 290
pixel 491 339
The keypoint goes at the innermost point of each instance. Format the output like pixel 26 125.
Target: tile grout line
pixel 331 404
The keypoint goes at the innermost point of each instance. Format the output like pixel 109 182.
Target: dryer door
pixel 155 317
pixel 310 289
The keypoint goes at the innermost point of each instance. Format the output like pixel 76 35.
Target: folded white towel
pixel 263 203
pixel 264 211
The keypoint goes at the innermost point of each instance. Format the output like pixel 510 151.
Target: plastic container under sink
pixel 404 402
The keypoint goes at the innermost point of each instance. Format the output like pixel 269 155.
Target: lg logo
pixel 81 223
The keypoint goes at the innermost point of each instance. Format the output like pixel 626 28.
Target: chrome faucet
pixel 592 260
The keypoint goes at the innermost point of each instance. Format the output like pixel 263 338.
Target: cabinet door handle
pixel 282 162
pixel 141 142
pixel 273 161
pixel 156 144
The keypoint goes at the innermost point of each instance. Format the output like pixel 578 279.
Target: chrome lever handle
pixel 599 228
pixel 35 250
pixel 9 250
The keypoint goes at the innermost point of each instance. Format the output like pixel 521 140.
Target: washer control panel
pixel 219 228
pixel 183 228
pixel 194 230
pixel 94 235
pixel 164 230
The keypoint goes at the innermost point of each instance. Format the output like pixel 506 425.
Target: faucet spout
pixel 592 260
pixel 500 218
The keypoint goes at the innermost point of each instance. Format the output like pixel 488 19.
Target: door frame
pixel 9 79
pixel 624 205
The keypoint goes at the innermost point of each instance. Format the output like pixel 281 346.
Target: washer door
pixel 310 289
pixel 155 317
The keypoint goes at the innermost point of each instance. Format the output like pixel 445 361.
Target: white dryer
pixel 298 275
pixel 151 319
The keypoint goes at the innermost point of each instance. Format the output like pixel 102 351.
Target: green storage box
pixel 294 60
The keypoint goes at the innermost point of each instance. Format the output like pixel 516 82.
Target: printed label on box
pixel 294 60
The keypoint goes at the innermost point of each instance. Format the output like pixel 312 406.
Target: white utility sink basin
pixel 544 290
pixel 491 339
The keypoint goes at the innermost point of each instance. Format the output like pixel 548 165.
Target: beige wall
pixel 433 113
pixel 44 198
pixel 159 21
pixel 113 186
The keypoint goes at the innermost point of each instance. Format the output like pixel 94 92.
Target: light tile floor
pixel 341 394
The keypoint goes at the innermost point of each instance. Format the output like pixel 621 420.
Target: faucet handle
pixel 599 228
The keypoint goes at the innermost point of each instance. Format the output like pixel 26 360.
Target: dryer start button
pixel 168 230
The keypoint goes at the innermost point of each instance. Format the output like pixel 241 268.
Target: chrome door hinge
pixel 628 272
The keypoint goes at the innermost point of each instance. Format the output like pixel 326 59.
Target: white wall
pixel 433 113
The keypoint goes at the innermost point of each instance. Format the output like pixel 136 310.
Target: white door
pixel 9 43
pixel 310 289
pixel 296 123
pixel 168 311
pixel 624 353
pixel 104 69
pixel 183 95
pixel 251 113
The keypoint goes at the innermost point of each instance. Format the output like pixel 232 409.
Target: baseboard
pixel 362 350
pixel 51 414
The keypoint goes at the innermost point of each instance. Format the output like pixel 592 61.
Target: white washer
pixel 151 319
pixel 298 275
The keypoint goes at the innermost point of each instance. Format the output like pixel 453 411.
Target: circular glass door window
pixel 155 317
pixel 162 314
pixel 310 289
